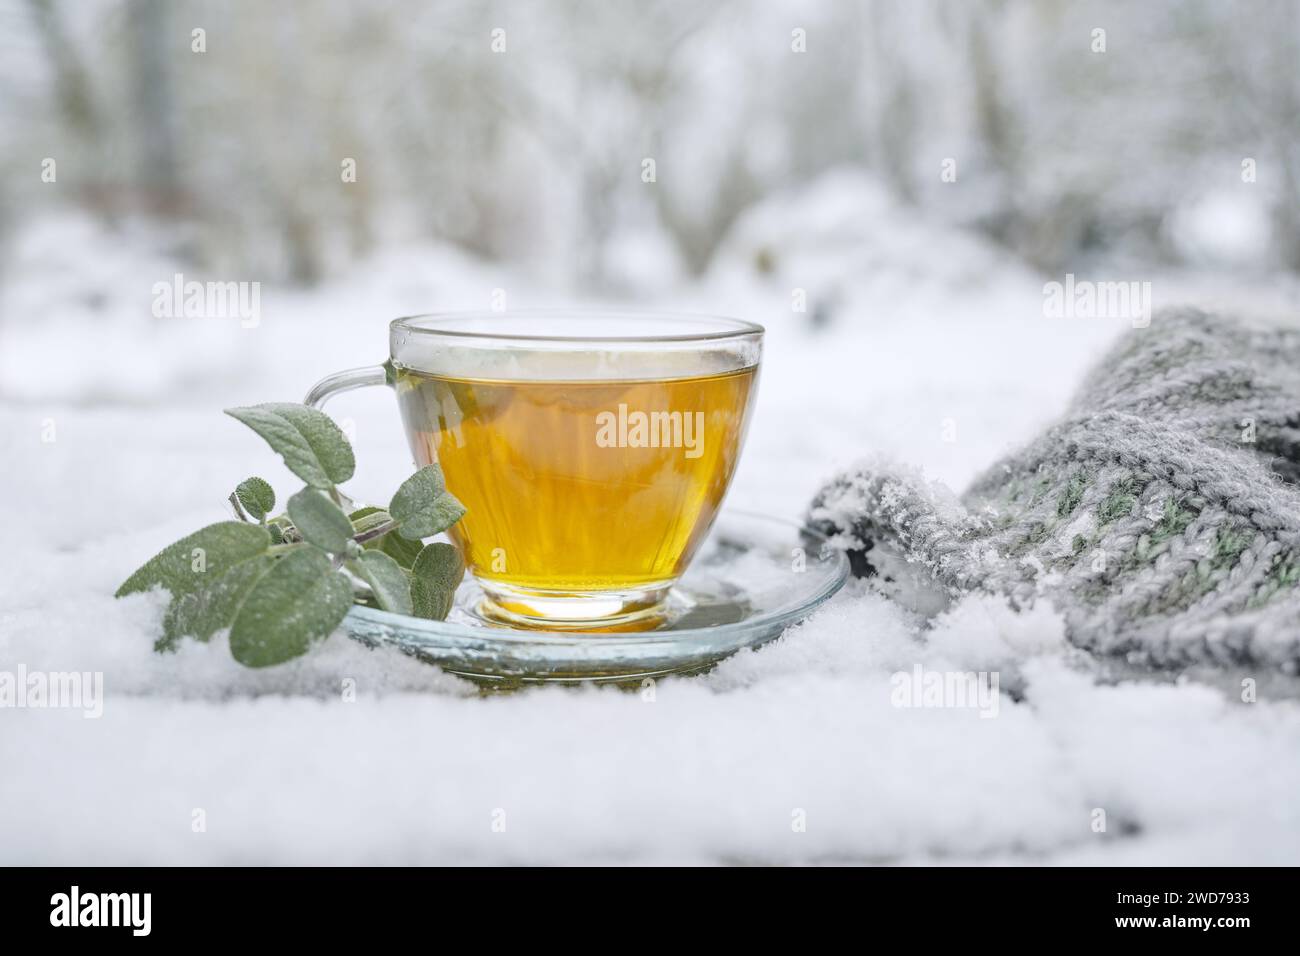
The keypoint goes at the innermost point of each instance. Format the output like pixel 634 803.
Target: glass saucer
pixel 753 577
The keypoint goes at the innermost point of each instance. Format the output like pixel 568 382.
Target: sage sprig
pixel 282 582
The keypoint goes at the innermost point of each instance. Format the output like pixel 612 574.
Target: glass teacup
pixel 592 450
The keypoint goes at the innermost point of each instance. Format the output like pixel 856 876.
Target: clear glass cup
pixel 591 449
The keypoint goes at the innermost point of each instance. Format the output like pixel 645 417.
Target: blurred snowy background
pixel 526 146
pixel 886 186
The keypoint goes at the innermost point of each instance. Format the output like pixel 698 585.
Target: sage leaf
pixel 202 613
pixel 299 601
pixel 434 578
pixel 423 506
pixel 401 550
pixel 282 530
pixel 256 496
pixel 320 521
pixel 185 566
pixel 387 580
pixel 313 447
pixel 368 519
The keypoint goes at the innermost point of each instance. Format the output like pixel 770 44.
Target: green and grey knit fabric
pixel 1161 516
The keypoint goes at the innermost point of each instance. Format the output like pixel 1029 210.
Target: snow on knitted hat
pixel 1161 516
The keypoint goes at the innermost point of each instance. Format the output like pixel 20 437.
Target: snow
pixel 792 753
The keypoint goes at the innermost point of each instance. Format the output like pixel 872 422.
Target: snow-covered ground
pixel 112 444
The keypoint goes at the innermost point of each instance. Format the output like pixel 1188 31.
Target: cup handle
pixel 353 378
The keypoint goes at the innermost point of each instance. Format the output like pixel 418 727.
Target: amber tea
pixel 579 485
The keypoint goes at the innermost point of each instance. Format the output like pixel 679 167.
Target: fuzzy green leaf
pixel 256 496
pixel 390 584
pixel 422 505
pixel 401 550
pixel 300 600
pixel 202 613
pixel 196 560
pixel 313 447
pixel 320 521
pixel 368 518
pixel 434 578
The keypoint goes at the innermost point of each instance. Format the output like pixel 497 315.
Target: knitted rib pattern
pixel 1161 516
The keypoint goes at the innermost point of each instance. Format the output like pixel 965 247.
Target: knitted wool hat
pixel 1161 516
